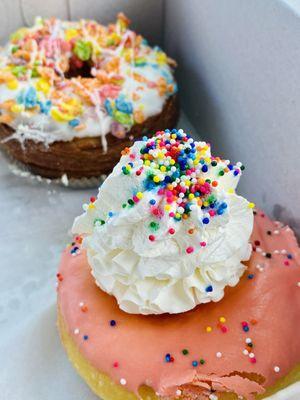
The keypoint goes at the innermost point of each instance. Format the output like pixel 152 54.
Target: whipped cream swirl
pixel 167 230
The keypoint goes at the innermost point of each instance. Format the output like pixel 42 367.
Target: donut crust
pixel 104 387
pixel 83 157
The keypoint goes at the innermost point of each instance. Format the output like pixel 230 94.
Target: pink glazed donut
pixel 245 346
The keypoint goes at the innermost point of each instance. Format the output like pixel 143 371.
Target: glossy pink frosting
pixel 135 349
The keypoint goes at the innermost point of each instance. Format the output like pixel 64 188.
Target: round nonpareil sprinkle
pixel 169 358
pixel 209 289
pixel 189 249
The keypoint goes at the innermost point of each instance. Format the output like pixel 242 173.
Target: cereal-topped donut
pixel 74 94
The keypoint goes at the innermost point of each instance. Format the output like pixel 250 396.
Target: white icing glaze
pixel 134 256
pixel 142 80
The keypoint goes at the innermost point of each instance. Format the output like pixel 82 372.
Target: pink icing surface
pixel 135 348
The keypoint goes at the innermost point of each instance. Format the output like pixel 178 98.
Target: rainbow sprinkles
pixel 184 173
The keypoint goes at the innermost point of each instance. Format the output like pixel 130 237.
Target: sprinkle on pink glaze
pixel 189 249
pixel 248 307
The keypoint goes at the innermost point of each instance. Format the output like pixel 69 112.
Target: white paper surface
pixel 34 221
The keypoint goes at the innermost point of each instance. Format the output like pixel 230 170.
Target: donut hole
pixel 83 70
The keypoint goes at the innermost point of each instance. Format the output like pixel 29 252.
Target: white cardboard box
pixel 240 88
